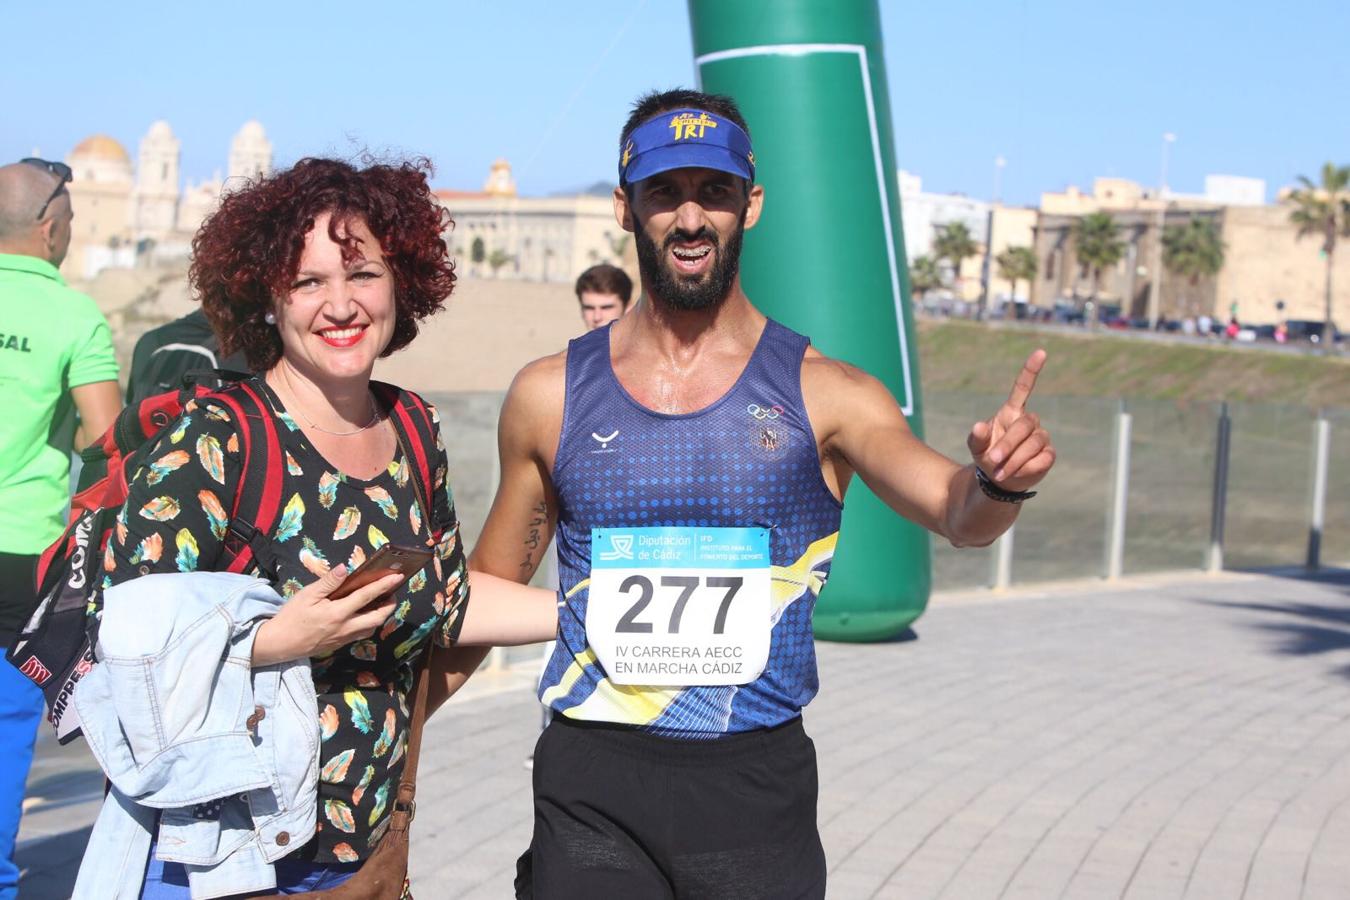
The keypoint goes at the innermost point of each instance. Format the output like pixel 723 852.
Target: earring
pixel 270 317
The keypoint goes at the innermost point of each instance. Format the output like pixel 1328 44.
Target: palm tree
pixel 924 275
pixel 955 244
pixel 1099 247
pixel 1194 251
pixel 498 258
pixel 1017 264
pixel 1324 209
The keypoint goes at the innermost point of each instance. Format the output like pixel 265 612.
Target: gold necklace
pixel 374 413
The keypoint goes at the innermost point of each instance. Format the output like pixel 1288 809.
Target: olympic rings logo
pixel 760 412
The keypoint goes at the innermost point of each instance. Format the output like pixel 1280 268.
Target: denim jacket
pixel 177 716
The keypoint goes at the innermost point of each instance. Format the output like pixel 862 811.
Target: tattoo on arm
pixel 533 537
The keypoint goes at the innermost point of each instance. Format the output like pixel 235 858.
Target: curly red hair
pixel 248 251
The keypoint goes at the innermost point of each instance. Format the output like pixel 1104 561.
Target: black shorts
pixel 622 813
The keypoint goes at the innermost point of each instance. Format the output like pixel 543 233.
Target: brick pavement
pixel 1177 736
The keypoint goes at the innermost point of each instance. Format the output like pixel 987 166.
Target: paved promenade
pixel 1181 736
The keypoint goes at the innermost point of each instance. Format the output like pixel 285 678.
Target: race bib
pixel 680 606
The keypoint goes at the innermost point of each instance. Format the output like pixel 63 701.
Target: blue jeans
pixel 169 881
pixel 20 712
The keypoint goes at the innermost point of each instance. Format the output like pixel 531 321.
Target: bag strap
pixel 414 429
pixel 416 432
pixel 405 801
pixel 257 502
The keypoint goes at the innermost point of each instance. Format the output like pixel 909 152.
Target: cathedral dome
pixel 101 147
pixel 99 160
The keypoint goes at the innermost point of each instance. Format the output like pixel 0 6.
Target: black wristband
pixel 994 492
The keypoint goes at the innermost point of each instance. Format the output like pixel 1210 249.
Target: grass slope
pixel 962 356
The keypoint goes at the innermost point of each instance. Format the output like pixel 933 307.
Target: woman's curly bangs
pixel 248 251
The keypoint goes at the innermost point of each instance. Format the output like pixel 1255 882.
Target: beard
pixel 685 292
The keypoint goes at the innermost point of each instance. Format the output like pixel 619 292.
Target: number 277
pixel 687 584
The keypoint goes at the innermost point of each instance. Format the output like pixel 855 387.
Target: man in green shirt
pixel 56 359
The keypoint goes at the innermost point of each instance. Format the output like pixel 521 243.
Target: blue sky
pixel 1063 90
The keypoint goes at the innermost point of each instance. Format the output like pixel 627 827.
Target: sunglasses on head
pixel 59 169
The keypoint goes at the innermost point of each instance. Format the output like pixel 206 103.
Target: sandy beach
pixel 488 330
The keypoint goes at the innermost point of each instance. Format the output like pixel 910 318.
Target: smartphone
pixel 387 560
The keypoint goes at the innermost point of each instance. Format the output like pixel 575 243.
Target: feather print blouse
pixel 175 520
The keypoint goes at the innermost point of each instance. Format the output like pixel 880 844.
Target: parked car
pixel 1068 313
pixel 1310 330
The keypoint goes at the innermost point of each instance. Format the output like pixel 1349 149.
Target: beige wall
pixel 1265 262
pixel 1013 226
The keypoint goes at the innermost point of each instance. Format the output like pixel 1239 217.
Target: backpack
pixel 55 649
pixel 166 355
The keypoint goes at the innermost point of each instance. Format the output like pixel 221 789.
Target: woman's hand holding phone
pixel 320 618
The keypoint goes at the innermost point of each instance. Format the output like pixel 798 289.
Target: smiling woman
pixel 314 273
pixel 248 253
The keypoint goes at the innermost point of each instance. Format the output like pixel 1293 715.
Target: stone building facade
pixel 499 234
pixel 1269 275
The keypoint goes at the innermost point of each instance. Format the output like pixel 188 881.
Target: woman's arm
pixel 504 613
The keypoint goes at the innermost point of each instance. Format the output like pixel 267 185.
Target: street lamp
pixel 987 270
pixel 1155 282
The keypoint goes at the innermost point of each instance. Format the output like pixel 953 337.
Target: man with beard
pixel 694 457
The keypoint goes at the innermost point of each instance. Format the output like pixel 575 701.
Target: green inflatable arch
pixel 828 258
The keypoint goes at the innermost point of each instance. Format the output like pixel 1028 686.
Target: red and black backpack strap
pixel 417 434
pixel 257 502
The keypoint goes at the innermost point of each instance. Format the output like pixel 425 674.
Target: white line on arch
pixel 907 402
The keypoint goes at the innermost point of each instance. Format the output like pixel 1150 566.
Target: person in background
pixel 165 354
pixel 56 360
pixel 603 292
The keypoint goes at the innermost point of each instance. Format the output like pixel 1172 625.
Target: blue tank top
pixel 748 460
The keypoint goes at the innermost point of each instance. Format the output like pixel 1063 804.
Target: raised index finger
pixel 1026 379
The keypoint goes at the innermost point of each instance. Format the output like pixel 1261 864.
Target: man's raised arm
pixel 863 425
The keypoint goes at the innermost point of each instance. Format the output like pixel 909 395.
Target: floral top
pixel 175 519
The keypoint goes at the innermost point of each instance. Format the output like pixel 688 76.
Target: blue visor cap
pixel 686 139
